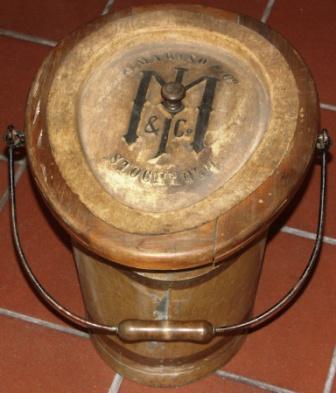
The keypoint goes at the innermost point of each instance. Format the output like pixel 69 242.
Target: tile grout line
pixel 27 37
pixel 118 379
pixel 267 11
pixel 109 4
pixel 307 235
pixel 21 162
pixel 18 173
pixel 252 382
pixel 107 7
pixel 331 374
pixel 42 323
pixel 328 107
pixel 264 19
pixel 116 384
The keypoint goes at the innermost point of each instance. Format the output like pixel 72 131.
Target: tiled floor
pixel 296 353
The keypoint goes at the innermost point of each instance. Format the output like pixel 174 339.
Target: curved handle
pixel 195 331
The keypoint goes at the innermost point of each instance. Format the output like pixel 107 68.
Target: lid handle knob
pixel 173 93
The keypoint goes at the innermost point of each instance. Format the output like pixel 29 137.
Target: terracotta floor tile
pixel 20 168
pixel 47 18
pixel 253 8
pixel 302 213
pixel 3 178
pixel 53 20
pixel 296 349
pixel 310 27
pixel 39 360
pixel 19 62
pixel 47 248
pixel 298 343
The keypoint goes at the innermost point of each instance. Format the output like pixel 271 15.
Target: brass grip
pixel 132 330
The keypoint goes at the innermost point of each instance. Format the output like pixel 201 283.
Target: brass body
pixel 222 294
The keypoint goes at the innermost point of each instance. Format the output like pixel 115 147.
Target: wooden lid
pixel 167 137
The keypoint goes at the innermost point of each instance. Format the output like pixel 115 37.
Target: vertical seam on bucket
pixel 214 241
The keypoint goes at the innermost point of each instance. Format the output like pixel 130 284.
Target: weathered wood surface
pixel 222 295
pixel 183 188
pixel 227 164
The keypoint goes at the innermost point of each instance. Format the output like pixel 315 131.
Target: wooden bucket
pixel 166 140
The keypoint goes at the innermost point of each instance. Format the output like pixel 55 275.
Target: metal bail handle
pixel 193 331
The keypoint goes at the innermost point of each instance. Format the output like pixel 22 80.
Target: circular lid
pixel 169 137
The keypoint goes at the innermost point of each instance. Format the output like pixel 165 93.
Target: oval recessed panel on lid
pixel 153 160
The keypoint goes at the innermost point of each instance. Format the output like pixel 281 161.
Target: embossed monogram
pixel 204 110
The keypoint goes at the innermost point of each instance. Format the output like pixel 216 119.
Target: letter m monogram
pixel 204 109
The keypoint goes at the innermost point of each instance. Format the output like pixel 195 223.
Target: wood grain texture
pixel 222 294
pixel 168 201
pixel 192 224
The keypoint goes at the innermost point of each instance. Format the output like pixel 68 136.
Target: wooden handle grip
pixel 194 331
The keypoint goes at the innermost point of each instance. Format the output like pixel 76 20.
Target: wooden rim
pixel 215 226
